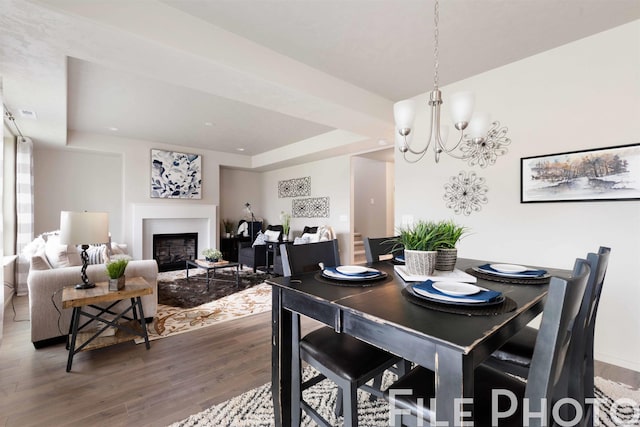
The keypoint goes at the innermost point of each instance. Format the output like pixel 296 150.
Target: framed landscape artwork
pixel 611 173
pixel 175 175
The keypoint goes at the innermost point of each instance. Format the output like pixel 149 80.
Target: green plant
pixel 286 222
pixel 227 225
pixel 428 236
pixel 450 233
pixel 116 266
pixel 212 253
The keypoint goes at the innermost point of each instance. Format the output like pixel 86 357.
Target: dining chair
pixel 410 396
pixel 515 355
pixel 376 247
pixel 343 359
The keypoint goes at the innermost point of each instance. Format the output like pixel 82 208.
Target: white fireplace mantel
pixel 204 216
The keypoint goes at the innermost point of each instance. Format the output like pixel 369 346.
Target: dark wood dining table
pixel 450 344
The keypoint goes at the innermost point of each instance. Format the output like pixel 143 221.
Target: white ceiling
pixel 302 77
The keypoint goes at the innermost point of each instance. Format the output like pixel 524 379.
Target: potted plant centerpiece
pixel 449 234
pixel 420 242
pixel 286 223
pixel 212 255
pixel 115 270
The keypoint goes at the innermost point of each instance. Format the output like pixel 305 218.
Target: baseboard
pixel 619 362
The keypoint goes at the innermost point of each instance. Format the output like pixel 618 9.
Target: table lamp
pixel 84 228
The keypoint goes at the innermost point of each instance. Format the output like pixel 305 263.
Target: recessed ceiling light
pixel 240 149
pixel 382 142
pixel 113 129
pixel 208 124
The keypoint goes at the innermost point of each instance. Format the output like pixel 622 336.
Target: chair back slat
pixel 553 344
pixel 298 259
pixel 374 247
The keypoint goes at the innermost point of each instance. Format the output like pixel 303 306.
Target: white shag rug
pixel 619 406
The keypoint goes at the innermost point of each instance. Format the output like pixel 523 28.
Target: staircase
pixel 359 256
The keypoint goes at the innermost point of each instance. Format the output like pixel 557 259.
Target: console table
pixel 135 326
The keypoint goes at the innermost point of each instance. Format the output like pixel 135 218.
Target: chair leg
pixel 338 409
pixel 350 406
pixel 377 384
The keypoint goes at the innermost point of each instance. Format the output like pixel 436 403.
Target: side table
pixel 135 287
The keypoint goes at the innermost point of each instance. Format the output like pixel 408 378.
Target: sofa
pixel 254 254
pixel 54 266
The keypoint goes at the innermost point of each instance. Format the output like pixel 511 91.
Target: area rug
pixel 171 320
pixel 619 406
pixel 174 289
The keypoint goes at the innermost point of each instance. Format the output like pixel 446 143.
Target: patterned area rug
pixel 169 320
pixel 176 290
pixel 619 406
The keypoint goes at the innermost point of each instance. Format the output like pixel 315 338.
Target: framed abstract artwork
pixel 611 173
pixel 175 175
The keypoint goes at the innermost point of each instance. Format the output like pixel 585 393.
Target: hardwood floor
pixel 129 385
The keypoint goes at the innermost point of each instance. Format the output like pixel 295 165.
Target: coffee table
pixel 213 266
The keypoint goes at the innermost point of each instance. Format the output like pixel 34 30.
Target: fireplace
pixel 172 250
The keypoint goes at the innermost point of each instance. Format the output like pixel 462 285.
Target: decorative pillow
pixel 116 249
pixel 260 239
pixel 301 240
pixel 60 255
pixel 95 254
pixel 35 247
pixel 312 238
pixel 272 235
pixel 39 262
pixel 243 229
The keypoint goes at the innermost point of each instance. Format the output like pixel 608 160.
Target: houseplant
pixel 420 242
pixel 212 254
pixel 285 218
pixel 115 270
pixel 449 234
pixel 228 227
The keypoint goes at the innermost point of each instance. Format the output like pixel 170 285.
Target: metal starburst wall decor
pixel 465 193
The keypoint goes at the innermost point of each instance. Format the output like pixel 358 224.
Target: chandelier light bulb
pixel 479 126
pixel 462 104
pixel 404 113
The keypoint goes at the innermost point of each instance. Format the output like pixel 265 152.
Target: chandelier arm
pixel 448 150
pixel 420 156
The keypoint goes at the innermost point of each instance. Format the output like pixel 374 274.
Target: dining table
pixel 447 339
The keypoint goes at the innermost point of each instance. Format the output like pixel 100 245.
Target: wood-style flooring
pixel 127 385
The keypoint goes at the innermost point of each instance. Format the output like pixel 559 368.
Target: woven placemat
pixel 512 280
pixel 358 284
pixel 506 306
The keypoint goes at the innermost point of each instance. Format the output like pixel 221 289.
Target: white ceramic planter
pixel 421 263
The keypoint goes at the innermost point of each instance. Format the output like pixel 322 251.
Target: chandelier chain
pixel 436 18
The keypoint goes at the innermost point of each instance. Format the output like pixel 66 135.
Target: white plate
pixel 352 269
pixel 509 268
pixel 456 288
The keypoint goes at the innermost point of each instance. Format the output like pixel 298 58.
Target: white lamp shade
pixel 479 125
pixel 462 104
pixel 404 112
pixel 84 228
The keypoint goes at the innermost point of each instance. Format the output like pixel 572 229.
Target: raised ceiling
pixel 294 78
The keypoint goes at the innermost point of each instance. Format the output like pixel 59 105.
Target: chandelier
pixel 483 143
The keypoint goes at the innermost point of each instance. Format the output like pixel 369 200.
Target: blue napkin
pixel 364 274
pixel 527 273
pixel 399 258
pixel 485 296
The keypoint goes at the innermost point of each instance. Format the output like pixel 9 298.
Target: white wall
pixel 369 197
pixel 583 95
pixel 329 178
pixel 76 180
pixel 238 187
